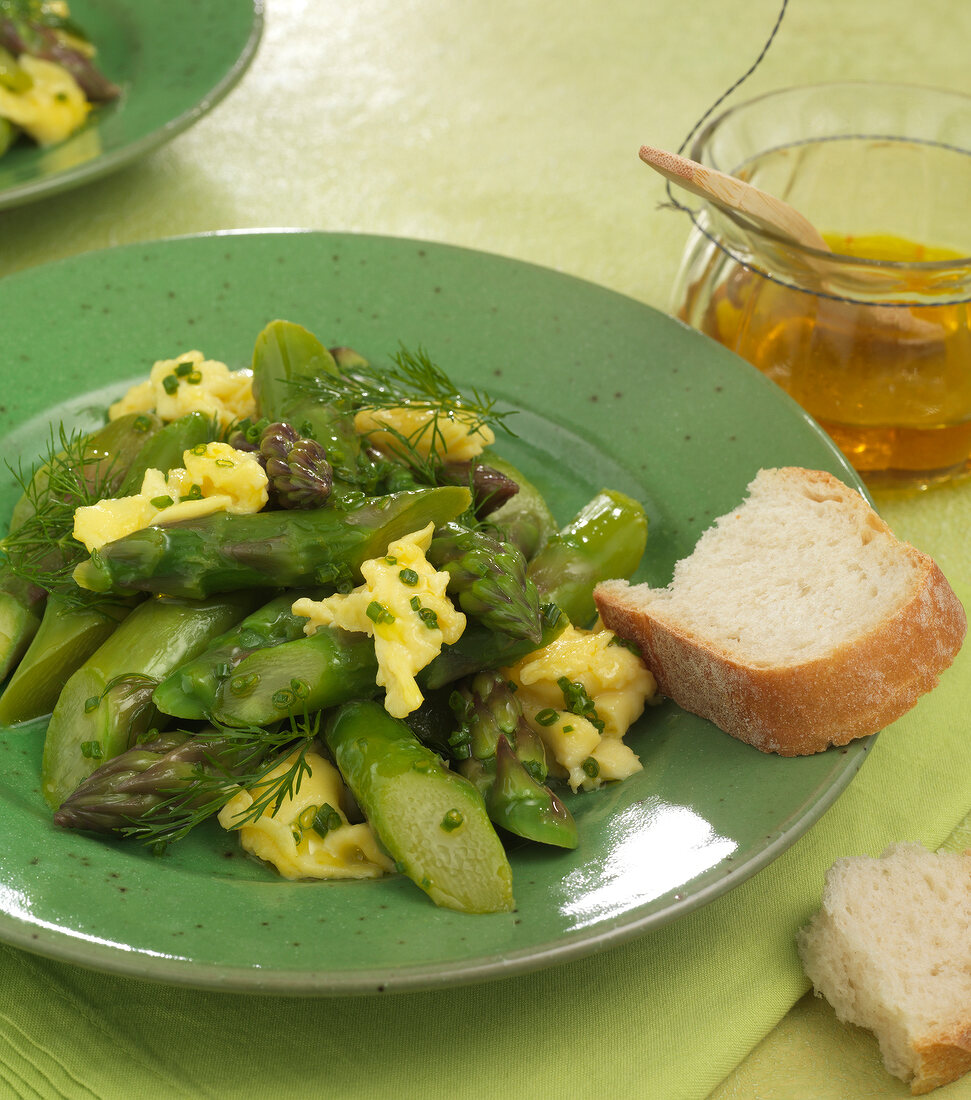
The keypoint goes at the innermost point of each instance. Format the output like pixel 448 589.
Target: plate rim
pixel 41 187
pixel 413 977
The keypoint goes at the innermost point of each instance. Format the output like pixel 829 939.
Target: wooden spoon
pixel 783 221
pixel 735 196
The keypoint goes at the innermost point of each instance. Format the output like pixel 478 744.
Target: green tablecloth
pixel 513 127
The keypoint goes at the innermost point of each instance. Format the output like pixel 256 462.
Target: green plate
pixel 612 394
pixel 174 60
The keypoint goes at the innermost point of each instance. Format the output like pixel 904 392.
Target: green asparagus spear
pixel 107 704
pixel 432 821
pixel 518 803
pixel 40 549
pixel 191 690
pixel 167 784
pixel 334 665
pixel 223 552
pixel 488 577
pixel 164 450
pixel 308 674
pixel 297 468
pixel 285 356
pixel 35 32
pixel 490 487
pixel 524 519
pixel 21 612
pixel 507 762
pixel 605 539
pixel 67 637
pixel 480 648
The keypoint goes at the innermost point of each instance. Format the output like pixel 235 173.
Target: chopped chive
pixel 306 818
pixel 578 702
pixel 626 643
pixel 547 716
pixel 182 369
pixel 225 463
pixel 162 502
pixel 378 614
pixel 325 820
pixel 92 750
pixel 170 384
pixel 408 577
pixel 429 618
pixel 391 559
pixel 141 423
pixel 200 449
pixel 194 493
pixel 568 729
pixel 415 603
pixel 591 767
pixel 194 378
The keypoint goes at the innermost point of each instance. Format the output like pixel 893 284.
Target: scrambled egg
pixel 288 838
pixel 403 606
pixel 190 383
pixel 581 693
pixel 215 478
pixel 52 108
pixel 455 436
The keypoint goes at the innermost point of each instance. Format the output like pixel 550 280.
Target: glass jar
pixel 874 338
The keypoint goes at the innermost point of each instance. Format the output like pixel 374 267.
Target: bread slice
pixel 890 950
pixel 798 622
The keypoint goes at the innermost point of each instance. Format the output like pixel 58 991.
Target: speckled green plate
pixel 612 394
pixel 174 60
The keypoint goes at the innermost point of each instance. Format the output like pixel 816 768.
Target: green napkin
pixel 667 1016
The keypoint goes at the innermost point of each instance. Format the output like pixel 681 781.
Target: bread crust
pixel 941 1058
pixel 797 709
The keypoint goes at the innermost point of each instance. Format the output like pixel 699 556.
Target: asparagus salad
pixel 48 77
pixel 308 602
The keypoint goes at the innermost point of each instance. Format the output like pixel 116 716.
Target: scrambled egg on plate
pixel 581 693
pixel 51 108
pixel 191 383
pixel 403 606
pixel 308 836
pixel 455 436
pixel 215 478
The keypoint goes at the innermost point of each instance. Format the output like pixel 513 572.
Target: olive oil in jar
pixel 891 384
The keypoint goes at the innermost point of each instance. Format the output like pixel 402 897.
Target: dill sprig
pixel 234 757
pixel 41 548
pixel 416 382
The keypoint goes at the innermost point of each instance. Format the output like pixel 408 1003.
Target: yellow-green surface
pixel 512 127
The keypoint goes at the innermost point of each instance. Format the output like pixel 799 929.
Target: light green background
pixel 512 126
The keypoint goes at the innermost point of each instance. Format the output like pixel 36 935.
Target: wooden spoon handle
pixel 735 195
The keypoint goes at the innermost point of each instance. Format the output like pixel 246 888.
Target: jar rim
pixel 701 142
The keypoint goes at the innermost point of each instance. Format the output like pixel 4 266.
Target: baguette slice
pixel 798 622
pixel 890 950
